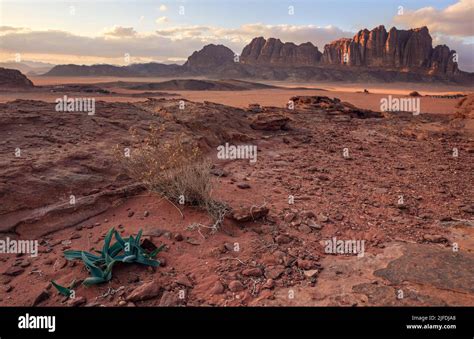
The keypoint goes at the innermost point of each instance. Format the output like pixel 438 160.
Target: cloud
pixel 239 37
pixel 163 8
pixel 454 20
pixel 174 43
pixel 10 29
pixel 162 19
pixel 120 32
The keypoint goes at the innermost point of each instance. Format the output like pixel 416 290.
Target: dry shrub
pixel 176 170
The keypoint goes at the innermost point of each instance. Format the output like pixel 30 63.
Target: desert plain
pixel 326 169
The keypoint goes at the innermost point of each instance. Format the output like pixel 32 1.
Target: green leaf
pixel 108 271
pixel 137 239
pixel 93 281
pixel 119 238
pixel 108 238
pixel 129 258
pixel 72 255
pixel 61 289
pixel 156 251
pixel 94 270
pixel 115 249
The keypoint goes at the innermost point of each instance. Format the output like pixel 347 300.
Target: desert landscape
pixel 334 199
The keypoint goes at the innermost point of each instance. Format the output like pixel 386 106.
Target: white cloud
pixel 162 19
pixel 454 20
pixel 237 38
pixel 163 8
pixel 120 32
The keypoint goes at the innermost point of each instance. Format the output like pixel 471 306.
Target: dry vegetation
pixel 177 171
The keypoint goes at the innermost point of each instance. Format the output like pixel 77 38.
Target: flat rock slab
pixel 432 265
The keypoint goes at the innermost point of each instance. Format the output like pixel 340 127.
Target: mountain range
pixel 396 55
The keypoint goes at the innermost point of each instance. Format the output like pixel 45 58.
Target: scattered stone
pixel 274 272
pixel 235 286
pixel 252 272
pixel 146 291
pixel 289 217
pixel 269 284
pixel 219 172
pixel 76 302
pixel 434 238
pixel 250 213
pixel 169 299
pixel 308 214
pixel 146 214
pixel 304 264
pixel 304 228
pixel 14 271
pixel 282 239
pixel 25 264
pixel 243 185
pixel 322 217
pixel 310 273
pixel 178 237
pixel 130 214
pixel 313 224
pixel 184 280
pixel 44 295
pixel 192 241
pixel 218 288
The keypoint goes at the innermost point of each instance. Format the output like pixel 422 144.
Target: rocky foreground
pixel 325 170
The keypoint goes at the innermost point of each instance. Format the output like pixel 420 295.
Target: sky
pixel 124 31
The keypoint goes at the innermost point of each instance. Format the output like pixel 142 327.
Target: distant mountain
pixel 28 67
pixel 12 78
pixel 209 57
pixel 273 52
pixel 376 55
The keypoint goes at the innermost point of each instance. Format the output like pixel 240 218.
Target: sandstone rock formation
pixel 269 122
pixel 397 49
pixel 332 107
pixel 210 56
pixel 11 78
pixel 275 52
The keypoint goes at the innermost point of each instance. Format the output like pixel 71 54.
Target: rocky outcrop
pixel 331 107
pixel 210 56
pixel 276 53
pixel 269 122
pixel 11 78
pixel 376 55
pixel 397 49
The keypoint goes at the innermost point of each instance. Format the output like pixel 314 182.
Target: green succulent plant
pixel 100 265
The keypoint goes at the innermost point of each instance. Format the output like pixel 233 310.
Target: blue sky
pixel 91 17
